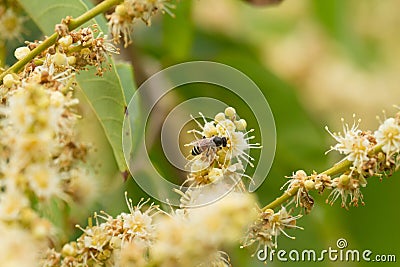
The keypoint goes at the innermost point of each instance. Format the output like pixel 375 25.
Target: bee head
pixel 224 141
pixel 219 141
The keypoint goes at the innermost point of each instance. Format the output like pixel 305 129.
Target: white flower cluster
pixel 193 237
pixel 31 131
pixel 269 225
pixel 368 154
pixel 148 237
pixel 184 237
pixel 108 241
pixel 221 151
pixel 41 157
pixel 121 21
pixel 362 147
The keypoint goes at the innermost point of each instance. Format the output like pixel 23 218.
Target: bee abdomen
pixel 196 151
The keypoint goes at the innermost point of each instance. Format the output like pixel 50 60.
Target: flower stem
pixel 73 24
pixel 2 54
pixel 280 200
pixel 88 15
pixel 338 168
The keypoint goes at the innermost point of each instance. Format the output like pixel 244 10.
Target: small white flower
pixel 353 143
pixel 11 25
pixel 11 204
pixel 226 218
pixel 388 135
pixel 359 154
pixel 96 237
pixel 208 130
pixel 268 226
pixel 44 180
pixel 346 187
pixel 120 24
pixel 138 224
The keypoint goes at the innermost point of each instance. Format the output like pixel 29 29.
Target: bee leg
pixel 208 152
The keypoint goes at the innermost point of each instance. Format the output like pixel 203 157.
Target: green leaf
pixel 46 14
pixel 105 94
pixel 133 119
pixel 106 97
pixel 177 41
pixel 125 72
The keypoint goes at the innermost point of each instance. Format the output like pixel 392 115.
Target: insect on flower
pixel 207 144
pixel 205 150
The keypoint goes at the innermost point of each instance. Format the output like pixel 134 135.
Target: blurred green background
pixel 316 61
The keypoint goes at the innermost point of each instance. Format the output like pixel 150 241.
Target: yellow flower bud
pixel 71 60
pixel 230 112
pixel 120 10
pixel 9 80
pixel 65 41
pixel 344 179
pixel 21 52
pixel 219 117
pixel 60 59
pixel 309 184
pixel 241 124
pixel 68 250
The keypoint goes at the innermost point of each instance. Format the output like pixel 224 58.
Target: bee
pixel 305 200
pixel 205 151
pixel 207 145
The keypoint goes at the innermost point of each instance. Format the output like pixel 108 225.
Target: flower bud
pixel 230 112
pixel 219 117
pixel 344 179
pixel 21 52
pixel 120 10
pixel 71 60
pixel 9 81
pixel 241 124
pixel 65 41
pixel 41 228
pixel 60 59
pixel 309 184
pixel 68 250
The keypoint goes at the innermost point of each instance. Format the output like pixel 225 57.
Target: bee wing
pixel 204 143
